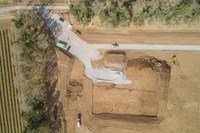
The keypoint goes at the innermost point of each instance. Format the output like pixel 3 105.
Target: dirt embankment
pixel 65 91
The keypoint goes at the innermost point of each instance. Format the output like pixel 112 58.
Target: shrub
pixel 104 16
pixel 117 14
pixel 18 23
pixel 31 36
pixel 171 13
pixel 142 17
pixel 183 13
pixel 82 12
pixel 36 118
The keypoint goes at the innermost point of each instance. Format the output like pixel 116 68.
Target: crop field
pixel 10 119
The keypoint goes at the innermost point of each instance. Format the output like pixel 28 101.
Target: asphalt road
pixel 11 9
pixel 148 47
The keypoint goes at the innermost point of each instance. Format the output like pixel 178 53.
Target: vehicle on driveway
pixel 115 45
pixel 61 44
pixel 69 27
pixel 61 19
pixel 79 120
pixel 68 48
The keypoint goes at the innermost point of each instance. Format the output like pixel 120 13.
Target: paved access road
pixel 148 47
pixel 10 9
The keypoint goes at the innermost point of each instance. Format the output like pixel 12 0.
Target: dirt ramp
pixel 149 62
pixel 115 59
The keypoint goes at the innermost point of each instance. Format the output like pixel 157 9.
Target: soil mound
pixel 116 59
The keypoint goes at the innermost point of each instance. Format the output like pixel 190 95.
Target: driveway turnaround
pixel 79 48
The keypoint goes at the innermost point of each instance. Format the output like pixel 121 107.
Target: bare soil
pixel 139 98
pixel 169 92
pixel 137 36
pixel 177 105
pixel 124 101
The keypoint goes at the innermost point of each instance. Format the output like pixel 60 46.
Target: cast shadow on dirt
pixel 54 106
pixel 129 118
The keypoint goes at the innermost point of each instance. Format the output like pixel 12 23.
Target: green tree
pixel 33 41
pixel 82 12
pixel 142 17
pixel 36 118
pixel 116 13
pixel 18 23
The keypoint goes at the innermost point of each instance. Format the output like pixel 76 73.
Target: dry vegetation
pixel 137 13
pixel 34 54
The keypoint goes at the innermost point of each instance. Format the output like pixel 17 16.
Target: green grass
pixel 10 121
pixel 142 17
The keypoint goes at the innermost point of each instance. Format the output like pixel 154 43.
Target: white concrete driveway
pixel 82 50
pixel 148 47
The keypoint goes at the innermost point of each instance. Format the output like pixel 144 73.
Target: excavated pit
pixel 150 77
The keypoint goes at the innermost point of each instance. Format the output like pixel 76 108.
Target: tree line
pixel 32 39
pixel 125 12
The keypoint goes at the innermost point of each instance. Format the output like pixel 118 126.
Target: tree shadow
pixel 54 106
pixel 54 27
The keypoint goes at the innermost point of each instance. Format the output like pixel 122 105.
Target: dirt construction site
pixel 164 95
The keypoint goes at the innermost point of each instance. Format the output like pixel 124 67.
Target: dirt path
pixel 151 37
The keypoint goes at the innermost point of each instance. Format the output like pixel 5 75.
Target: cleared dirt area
pixel 179 108
pixel 138 36
pixel 176 103
pixel 142 96
pixel 124 101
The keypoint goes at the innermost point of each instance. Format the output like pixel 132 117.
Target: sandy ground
pixel 178 107
pixel 137 36
pixel 179 112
